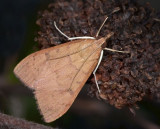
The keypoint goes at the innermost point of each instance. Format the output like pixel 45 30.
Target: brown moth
pixel 57 74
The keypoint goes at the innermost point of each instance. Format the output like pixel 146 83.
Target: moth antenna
pixel 114 11
pixel 101 27
pixel 71 38
pixel 94 72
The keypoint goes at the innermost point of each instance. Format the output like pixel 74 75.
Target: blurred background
pixel 17 32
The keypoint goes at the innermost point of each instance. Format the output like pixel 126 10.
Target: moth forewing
pixel 57 74
pixel 30 68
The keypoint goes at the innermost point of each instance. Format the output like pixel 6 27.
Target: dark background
pixel 17 32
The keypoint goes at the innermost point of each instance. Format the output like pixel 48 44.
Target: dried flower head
pixel 124 79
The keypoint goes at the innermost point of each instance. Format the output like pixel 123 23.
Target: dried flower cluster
pixel 124 78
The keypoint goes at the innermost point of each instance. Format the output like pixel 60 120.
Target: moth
pixel 57 74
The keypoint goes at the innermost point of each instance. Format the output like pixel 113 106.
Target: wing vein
pixel 83 65
pixel 73 52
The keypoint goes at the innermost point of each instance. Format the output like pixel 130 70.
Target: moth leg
pixel 71 38
pixel 99 61
pixel 113 50
pixel 94 72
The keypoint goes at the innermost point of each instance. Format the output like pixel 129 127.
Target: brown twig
pixel 10 122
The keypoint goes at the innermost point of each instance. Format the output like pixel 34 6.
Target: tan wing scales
pixel 61 75
pixel 29 69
